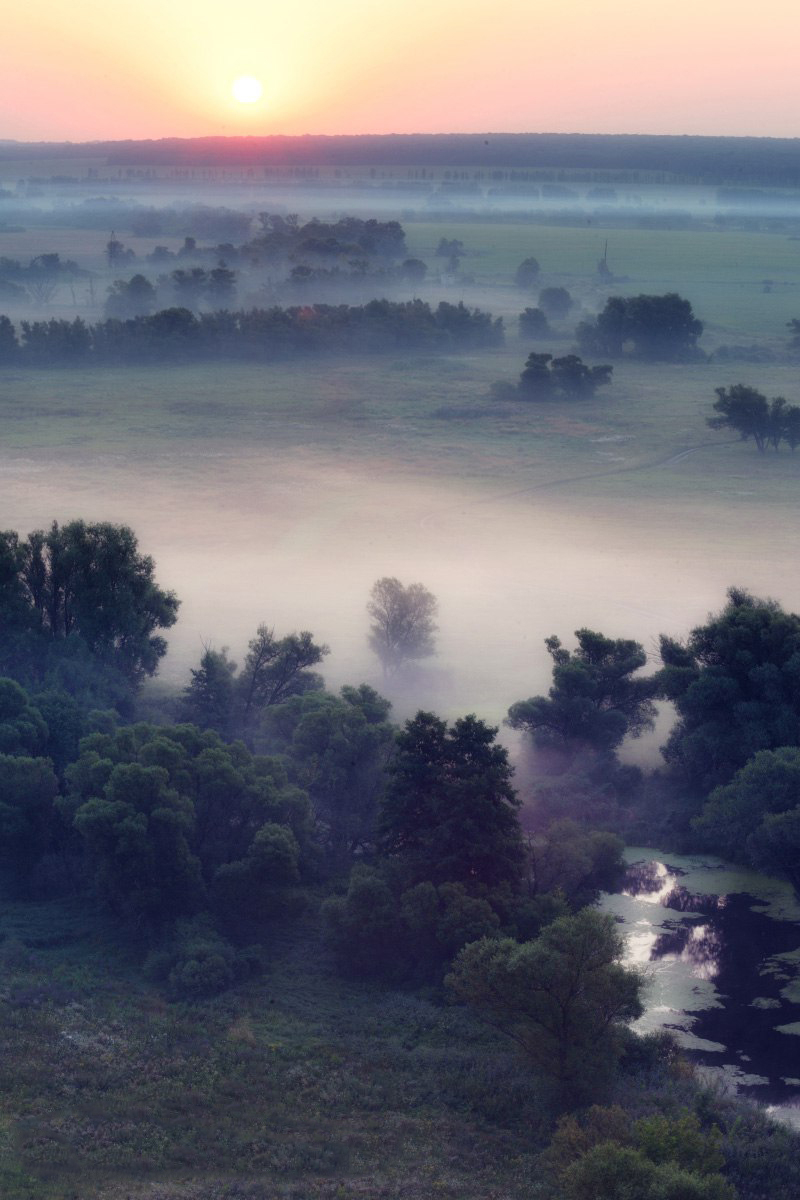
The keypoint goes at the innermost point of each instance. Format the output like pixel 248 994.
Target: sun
pixel 246 89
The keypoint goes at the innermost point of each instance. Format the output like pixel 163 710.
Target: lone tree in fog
pixel 527 273
pixel 402 622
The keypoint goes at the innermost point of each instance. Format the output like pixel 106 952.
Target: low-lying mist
pixel 297 542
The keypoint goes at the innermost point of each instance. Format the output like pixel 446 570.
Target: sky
pixel 164 68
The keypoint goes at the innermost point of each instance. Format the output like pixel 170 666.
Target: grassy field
pixel 431 416
pixel 301 1085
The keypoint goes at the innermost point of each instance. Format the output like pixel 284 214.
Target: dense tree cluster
pixel 178 334
pixel 662 328
pixel 349 237
pixel 547 378
pixel 736 686
pixel 80 609
pixel 756 817
pixel 274 669
pixel 175 822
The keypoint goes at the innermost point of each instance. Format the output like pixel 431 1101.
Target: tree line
pixel 256 335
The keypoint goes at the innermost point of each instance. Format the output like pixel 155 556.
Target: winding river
pixel 720 947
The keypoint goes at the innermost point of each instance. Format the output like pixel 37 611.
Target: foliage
pixel 594 701
pixel 751 415
pixel 197 962
pixel 612 1172
pixel 544 377
pixel 285 237
pixel 577 863
pixel 174 821
pixel 378 931
pixel 562 997
pixel 337 749
pixel 22 727
pixel 28 789
pixel 654 327
pixel 449 814
pixel 604 1156
pixel 527 273
pixel 555 302
pixel 533 323
pixel 403 624
pixel 176 334
pixel 135 297
pixel 208 700
pixel 81 589
pixel 735 687
pixel 756 817
pixel 274 669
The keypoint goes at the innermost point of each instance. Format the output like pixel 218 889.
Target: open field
pixel 282 493
pixel 299 1086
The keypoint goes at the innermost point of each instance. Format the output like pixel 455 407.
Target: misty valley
pixel 399 677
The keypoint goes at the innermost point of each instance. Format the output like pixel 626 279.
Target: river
pixel 720 948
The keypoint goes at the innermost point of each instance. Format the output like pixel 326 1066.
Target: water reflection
pixel 685 901
pixel 699 946
pixel 721 962
pixel 649 881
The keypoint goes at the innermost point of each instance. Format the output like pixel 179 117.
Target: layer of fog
pixel 297 543
pixel 397 193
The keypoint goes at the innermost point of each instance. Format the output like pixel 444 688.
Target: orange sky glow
pixel 150 69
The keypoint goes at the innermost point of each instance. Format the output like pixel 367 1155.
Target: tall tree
pixel 274 669
pixel 450 813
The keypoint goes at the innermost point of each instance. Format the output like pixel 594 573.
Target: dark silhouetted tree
pixel 655 327
pixel 527 273
pixel 556 302
pixel 596 698
pixel 533 323
pixel 735 687
pixel 450 812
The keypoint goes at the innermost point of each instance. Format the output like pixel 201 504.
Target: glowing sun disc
pixel 246 89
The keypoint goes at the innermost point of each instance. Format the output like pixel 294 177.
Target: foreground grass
pixel 301 1085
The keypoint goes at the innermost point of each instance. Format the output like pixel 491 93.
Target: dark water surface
pixel 720 947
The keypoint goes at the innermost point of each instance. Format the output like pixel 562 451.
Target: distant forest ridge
pixel 773 161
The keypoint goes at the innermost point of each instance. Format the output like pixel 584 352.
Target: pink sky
pixel 159 68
